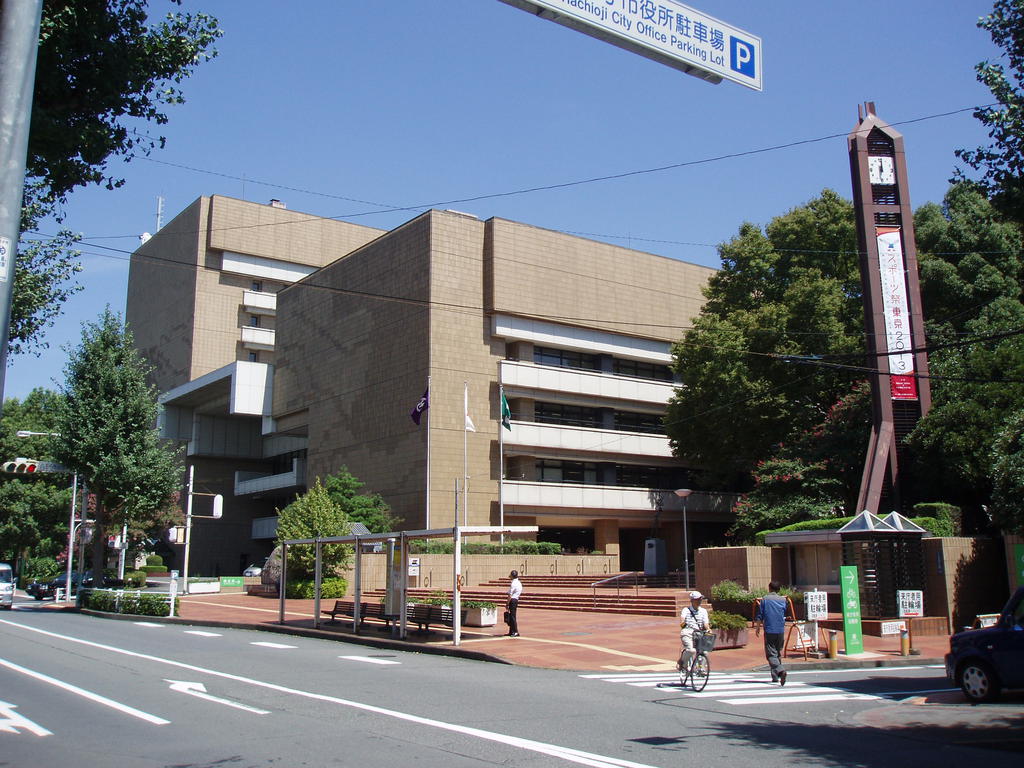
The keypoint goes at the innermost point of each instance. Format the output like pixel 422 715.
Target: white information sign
pixel 911 603
pixel 895 308
pixel 893 627
pixel 414 566
pixel 6 259
pixel 816 602
pixel 662 30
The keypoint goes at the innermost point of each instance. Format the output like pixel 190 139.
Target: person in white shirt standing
pixel 515 589
pixel 693 618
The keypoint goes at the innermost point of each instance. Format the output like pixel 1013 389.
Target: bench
pixel 347 608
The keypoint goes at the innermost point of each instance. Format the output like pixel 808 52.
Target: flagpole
pixel 501 459
pixel 465 455
pixel 427 522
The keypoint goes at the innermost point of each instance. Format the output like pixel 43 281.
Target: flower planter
pixel 199 587
pixel 481 617
pixel 731 638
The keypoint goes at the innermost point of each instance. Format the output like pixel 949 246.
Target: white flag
pixel 470 427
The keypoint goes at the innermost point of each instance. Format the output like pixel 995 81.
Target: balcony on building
pixel 260 302
pixel 252 483
pixel 256 338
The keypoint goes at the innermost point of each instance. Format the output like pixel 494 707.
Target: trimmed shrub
pixel 727 621
pixel 154 569
pixel 947 517
pixel 132 603
pixel 154 560
pixel 333 588
pixel 135 579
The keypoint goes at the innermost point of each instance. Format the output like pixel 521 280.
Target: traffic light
pixel 21 466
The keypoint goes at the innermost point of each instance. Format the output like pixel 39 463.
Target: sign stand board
pixel 911 603
pixel 853 639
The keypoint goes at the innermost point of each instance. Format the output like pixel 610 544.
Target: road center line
pixel 86 694
pixel 565 753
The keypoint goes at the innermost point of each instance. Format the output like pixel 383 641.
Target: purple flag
pixel 421 407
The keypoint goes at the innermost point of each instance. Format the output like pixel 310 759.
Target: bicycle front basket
pixel 705 642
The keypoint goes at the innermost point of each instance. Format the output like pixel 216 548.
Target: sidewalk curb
pixel 914 661
pixel 385 643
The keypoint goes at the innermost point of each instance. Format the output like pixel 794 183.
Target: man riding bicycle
pixel 694 618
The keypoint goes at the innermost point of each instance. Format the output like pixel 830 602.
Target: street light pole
pixel 683 493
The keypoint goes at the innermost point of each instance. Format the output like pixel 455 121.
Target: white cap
pixel 696 596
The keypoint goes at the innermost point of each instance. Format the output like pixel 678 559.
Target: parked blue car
pixel 983 662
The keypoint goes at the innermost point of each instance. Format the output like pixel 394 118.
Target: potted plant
pixel 731 629
pixel 480 613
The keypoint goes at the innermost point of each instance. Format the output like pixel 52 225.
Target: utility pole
pixel 19 39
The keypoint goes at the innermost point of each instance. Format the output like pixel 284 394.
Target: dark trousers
pixel 773 652
pixel 513 625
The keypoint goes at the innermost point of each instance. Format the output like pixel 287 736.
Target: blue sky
pixel 345 108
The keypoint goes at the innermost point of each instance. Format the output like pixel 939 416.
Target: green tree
pixel 790 290
pixel 33 508
pixel 314 514
pixel 1002 162
pixel 972 274
pixel 1008 475
pixel 107 424
pixel 104 71
pixel 370 509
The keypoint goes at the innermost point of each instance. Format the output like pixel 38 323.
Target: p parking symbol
pixel 741 57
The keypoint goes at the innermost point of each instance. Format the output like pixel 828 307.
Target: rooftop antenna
pixel 159 212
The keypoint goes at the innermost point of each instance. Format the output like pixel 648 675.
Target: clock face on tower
pixel 881 170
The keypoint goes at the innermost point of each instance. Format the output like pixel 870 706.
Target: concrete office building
pixel 287 345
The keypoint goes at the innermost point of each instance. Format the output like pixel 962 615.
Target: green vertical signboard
pixel 1018 563
pixel 854 640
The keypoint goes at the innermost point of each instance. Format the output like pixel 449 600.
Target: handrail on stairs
pixel 616 578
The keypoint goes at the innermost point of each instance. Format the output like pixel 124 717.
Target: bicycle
pixel 699 671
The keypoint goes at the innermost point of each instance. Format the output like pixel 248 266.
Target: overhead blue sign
pixel 663 30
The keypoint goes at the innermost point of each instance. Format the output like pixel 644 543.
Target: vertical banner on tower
pixel 854 640
pixel 895 308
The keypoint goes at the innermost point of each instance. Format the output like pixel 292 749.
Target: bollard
pixel 904 642
pixel 833 644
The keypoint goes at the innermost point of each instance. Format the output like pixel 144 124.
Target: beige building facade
pixel 286 346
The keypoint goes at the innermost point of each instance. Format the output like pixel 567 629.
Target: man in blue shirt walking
pixel 771 613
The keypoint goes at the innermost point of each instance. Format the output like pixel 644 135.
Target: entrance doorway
pixel 571 540
pixel 631 548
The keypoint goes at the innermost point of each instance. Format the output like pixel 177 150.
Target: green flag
pixel 506 413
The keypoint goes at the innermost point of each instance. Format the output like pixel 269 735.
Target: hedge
pixel 332 588
pixel 133 603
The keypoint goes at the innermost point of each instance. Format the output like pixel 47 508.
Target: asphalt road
pixel 87 691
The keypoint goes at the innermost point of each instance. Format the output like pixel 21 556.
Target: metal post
pixel 686 545
pixel 358 588
pixel 188 525
pixel 317 581
pixel 282 582
pixel 19 41
pixel 71 537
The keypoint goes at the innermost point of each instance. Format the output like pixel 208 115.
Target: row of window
pixel 565 358
pixel 584 416
pixel 626 475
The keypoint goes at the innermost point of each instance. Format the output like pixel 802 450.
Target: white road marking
pixel 369 660
pixel 86 694
pixel 273 645
pixel 146 624
pixel 199 691
pixel 202 634
pixel 11 721
pixel 796 699
pixel 565 753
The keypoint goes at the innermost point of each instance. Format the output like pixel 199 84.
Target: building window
pixel 565 358
pixel 581 472
pixel 642 370
pixel 257 285
pixel 254 357
pixel 635 476
pixel 568 415
pixel 254 321
pixel 648 423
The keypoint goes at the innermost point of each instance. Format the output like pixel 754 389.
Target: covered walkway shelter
pixel 398 565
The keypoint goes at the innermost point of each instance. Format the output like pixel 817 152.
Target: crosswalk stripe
pixel 796 699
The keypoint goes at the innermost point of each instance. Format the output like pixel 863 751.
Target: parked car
pixel 6 586
pixel 41 589
pixel 253 570
pixel 983 662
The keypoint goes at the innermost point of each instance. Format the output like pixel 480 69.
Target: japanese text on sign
pixel 911 602
pixel 895 308
pixel 667 31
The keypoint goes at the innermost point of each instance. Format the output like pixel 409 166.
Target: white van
pixel 6 586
